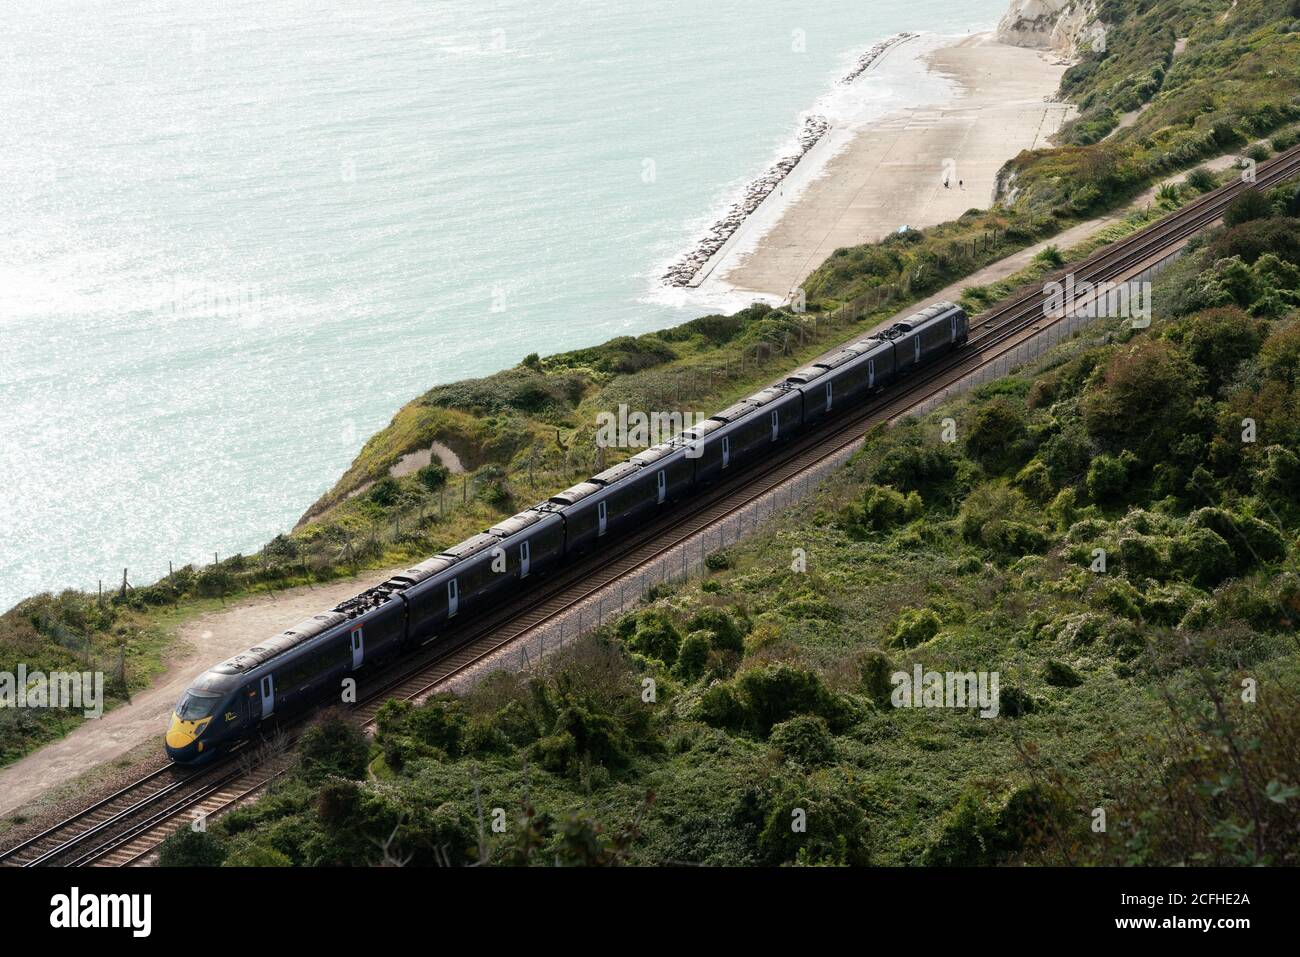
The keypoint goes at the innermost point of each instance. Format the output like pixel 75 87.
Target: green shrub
pixel 385 492
pixel 805 740
pixel 1107 478
pixel 996 435
pixel 433 476
pixel 557 752
pixel 718 561
pixel 726 633
pixel 881 509
pixel 1144 400
pixel 915 627
pixel 440 723
pixel 758 699
pixel 912 466
pixel 1049 255
pixel 837 828
pixel 187 847
pixel 1035 480
pixel 333 745
pixel 657 637
pixel 1058 674
pixel 876 671
pixel 1144 556
pixel 255 855
pixel 1250 205
pixel 1218 340
pixel 1202 557
pixel 693 656
pixel 1251 540
pixel 1015 702
pixel 720 707
pixel 1201 180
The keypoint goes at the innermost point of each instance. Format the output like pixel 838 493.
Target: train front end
pixel 205 720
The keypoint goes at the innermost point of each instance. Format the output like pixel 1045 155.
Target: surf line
pixel 814 127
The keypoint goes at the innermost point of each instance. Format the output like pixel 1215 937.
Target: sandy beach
pixel 890 172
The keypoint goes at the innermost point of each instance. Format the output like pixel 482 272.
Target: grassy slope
pixel 528 431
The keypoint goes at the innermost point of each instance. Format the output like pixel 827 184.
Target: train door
pixel 524 555
pixel 602 517
pixel 952 320
pixel 830 397
pixel 726 451
pixel 871 373
pixel 358 648
pixel 916 341
pixel 776 424
pixel 453 599
pixel 268 696
pixel 662 478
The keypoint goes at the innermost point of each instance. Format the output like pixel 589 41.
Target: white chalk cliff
pixel 1057 25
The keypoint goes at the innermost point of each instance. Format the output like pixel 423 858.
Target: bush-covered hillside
pixel 1114 533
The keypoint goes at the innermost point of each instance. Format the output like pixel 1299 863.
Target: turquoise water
pixel 236 237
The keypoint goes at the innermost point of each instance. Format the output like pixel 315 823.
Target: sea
pixel 236 237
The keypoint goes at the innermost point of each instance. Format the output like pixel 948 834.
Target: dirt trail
pixel 202 642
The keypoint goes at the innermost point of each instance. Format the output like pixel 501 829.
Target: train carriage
pixel 818 392
pixel 740 433
pixel 533 541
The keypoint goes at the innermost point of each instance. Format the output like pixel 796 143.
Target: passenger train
pixel 298 667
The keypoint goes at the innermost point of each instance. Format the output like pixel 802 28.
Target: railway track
pixel 127 826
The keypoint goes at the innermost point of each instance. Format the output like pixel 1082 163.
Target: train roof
pixel 863 346
pixel 277 645
pixel 936 309
pixel 733 412
pixel 418 573
pixel 471 546
pixel 770 394
pixel 654 453
pixel 840 358
pixel 516 523
pixel 806 374
pixel 699 430
pixel 575 493
pixel 614 473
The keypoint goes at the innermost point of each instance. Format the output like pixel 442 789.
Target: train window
pixel 453 598
pixel 871 373
pixel 953 322
pixel 196 705
pixel 356 639
pixel 726 451
pixel 600 515
pixel 830 397
pixel 662 478
pixel 776 424
pixel 917 343
pixel 523 559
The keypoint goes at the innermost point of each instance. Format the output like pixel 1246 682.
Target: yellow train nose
pixel 182 734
